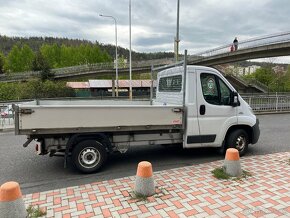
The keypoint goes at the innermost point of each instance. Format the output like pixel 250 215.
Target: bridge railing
pixel 251 82
pixel 254 82
pixel 87 68
pixel 250 43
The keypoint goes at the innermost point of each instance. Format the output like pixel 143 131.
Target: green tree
pixel 286 79
pixel 66 56
pixel 27 57
pixel 51 53
pixel 264 75
pixel 19 59
pixel 46 74
pixel 2 63
pixel 41 64
pixel 13 63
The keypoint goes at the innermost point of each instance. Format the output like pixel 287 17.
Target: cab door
pixel 215 112
pixel 192 135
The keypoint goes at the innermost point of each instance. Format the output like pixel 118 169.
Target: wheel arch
pixel 101 137
pixel 247 128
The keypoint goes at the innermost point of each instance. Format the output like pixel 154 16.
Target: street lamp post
pixel 117 82
pixel 130 56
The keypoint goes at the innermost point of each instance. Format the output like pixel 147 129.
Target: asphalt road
pixel 41 173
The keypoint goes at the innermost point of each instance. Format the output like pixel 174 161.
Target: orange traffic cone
pixel 11 202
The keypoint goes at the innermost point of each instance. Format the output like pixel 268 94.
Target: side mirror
pixel 235 99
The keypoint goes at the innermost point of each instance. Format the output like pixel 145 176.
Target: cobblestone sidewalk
pixel 182 192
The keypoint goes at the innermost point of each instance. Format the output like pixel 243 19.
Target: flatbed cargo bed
pixel 50 117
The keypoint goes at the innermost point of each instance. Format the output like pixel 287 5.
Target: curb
pixel 7 129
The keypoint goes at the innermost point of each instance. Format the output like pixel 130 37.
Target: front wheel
pixel 89 156
pixel 239 140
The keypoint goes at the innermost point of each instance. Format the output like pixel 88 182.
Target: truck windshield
pixel 170 84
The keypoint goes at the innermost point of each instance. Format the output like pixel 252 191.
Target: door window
pixel 214 90
pixel 209 88
pixel 225 93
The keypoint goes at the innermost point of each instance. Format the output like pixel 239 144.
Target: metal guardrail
pixel 269 103
pixel 6 117
pixel 259 103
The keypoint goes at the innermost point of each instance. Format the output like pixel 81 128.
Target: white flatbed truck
pixel 194 105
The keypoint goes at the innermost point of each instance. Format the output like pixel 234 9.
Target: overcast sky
pixel 204 24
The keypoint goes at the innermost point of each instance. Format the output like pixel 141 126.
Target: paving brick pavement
pixel 189 191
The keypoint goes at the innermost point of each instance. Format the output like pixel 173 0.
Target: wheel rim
pixel 89 157
pixel 241 142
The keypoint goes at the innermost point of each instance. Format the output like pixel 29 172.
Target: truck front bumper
pixel 255 132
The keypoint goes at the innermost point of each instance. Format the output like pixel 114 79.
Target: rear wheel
pixel 89 156
pixel 239 140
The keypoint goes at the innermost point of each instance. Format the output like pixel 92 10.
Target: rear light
pixel 38 149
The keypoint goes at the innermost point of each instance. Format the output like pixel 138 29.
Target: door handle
pixel 177 110
pixel 202 109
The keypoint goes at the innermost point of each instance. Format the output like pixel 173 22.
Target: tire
pixel 238 139
pixel 89 156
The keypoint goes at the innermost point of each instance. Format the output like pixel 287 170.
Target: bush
pixel 8 91
pixel 34 88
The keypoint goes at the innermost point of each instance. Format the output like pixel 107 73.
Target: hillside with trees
pixel 19 54
pixel 7 43
pixel 22 58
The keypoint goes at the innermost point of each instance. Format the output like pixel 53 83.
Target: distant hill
pixel 6 43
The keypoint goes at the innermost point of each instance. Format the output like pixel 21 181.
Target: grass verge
pixel 33 212
pixel 220 173
pixel 159 192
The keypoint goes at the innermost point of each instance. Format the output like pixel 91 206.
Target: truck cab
pixel 215 115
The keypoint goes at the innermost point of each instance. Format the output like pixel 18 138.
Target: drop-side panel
pixel 98 117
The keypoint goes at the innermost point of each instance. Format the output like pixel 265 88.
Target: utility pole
pixel 176 41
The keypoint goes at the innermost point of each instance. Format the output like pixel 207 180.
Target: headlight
pixel 251 109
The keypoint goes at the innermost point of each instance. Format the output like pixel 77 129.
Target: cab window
pixel 214 90
pixel 170 84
